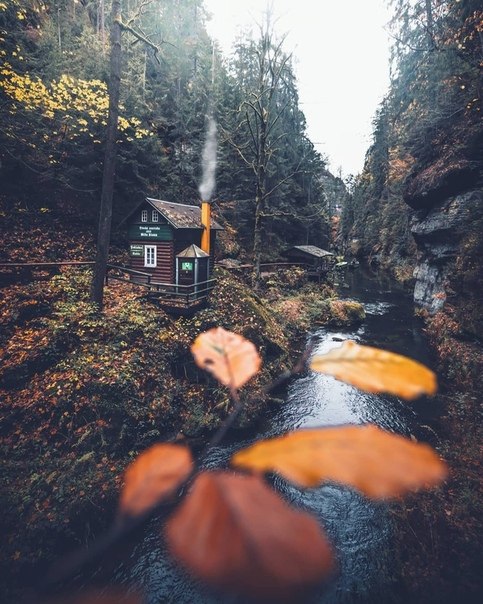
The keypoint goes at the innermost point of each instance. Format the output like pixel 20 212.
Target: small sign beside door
pixel 136 250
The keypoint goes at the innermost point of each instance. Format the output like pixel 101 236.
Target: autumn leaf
pixel 235 533
pixel 231 358
pixel 375 462
pixel 375 370
pixel 152 476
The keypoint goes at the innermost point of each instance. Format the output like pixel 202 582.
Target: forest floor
pixel 439 534
pixel 83 393
pixel 438 542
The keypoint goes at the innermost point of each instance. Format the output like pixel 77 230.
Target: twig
pixel 227 424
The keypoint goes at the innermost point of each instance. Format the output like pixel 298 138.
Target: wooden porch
pixel 181 299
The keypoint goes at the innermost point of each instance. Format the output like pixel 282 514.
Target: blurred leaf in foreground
pixel 236 534
pixel 375 370
pixel 231 358
pixel 152 476
pixel 379 464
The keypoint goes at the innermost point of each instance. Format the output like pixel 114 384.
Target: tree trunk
pixel 59 34
pixel 257 236
pixel 260 195
pixel 103 27
pixel 105 215
pixel 429 25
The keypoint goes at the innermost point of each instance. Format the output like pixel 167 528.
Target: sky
pixel 341 53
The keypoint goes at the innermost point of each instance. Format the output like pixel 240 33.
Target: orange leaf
pixel 152 476
pixel 377 463
pixel 231 358
pixel 235 533
pixel 375 370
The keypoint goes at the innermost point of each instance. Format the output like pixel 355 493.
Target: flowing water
pixel 359 530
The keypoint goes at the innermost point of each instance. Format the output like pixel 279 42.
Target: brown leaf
pixel 152 476
pixel 231 358
pixel 235 533
pixel 375 370
pixel 377 463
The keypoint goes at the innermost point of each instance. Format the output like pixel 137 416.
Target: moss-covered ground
pixel 82 393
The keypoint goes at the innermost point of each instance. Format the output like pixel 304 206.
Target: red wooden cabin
pixel 159 231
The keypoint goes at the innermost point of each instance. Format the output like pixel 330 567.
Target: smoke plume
pixel 208 162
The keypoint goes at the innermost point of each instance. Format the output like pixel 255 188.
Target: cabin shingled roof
pixel 180 215
pixel 311 250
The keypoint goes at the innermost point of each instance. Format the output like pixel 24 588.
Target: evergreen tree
pixel 427 130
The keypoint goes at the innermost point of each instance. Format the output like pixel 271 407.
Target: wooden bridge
pixel 168 295
pixel 271 268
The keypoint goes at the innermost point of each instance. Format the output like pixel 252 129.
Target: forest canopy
pixel 54 114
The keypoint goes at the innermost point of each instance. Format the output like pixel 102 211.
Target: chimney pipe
pixel 206 223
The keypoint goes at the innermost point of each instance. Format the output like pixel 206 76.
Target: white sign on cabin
pixel 136 250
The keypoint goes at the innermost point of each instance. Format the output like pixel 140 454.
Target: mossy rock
pixel 345 313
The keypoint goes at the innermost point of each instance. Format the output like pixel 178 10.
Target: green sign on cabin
pixel 186 266
pixel 161 232
pixel 136 250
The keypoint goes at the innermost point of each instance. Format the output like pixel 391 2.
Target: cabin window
pixel 150 259
pixel 144 216
pixel 155 216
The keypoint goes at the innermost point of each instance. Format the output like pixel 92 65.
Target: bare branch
pixel 140 11
pixel 141 38
pixel 239 149
pixel 255 141
pixel 272 125
pixel 281 182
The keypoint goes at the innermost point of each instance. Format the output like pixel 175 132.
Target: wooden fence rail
pixel 169 295
pixel 28 271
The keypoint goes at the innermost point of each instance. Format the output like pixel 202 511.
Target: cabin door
pixel 187 271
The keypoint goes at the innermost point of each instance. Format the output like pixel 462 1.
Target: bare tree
pixel 259 115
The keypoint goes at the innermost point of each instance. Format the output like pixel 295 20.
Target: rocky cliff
pixel 446 194
pixel 443 234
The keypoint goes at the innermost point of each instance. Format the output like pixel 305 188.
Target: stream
pixel 359 530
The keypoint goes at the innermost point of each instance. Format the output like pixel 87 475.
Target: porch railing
pixel 169 294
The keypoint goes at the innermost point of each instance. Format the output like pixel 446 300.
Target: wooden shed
pixel 316 260
pixel 159 231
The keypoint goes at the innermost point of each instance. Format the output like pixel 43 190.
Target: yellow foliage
pixel 82 105
pixel 378 464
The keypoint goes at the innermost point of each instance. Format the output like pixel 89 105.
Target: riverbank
pixel 360 532
pixel 438 537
